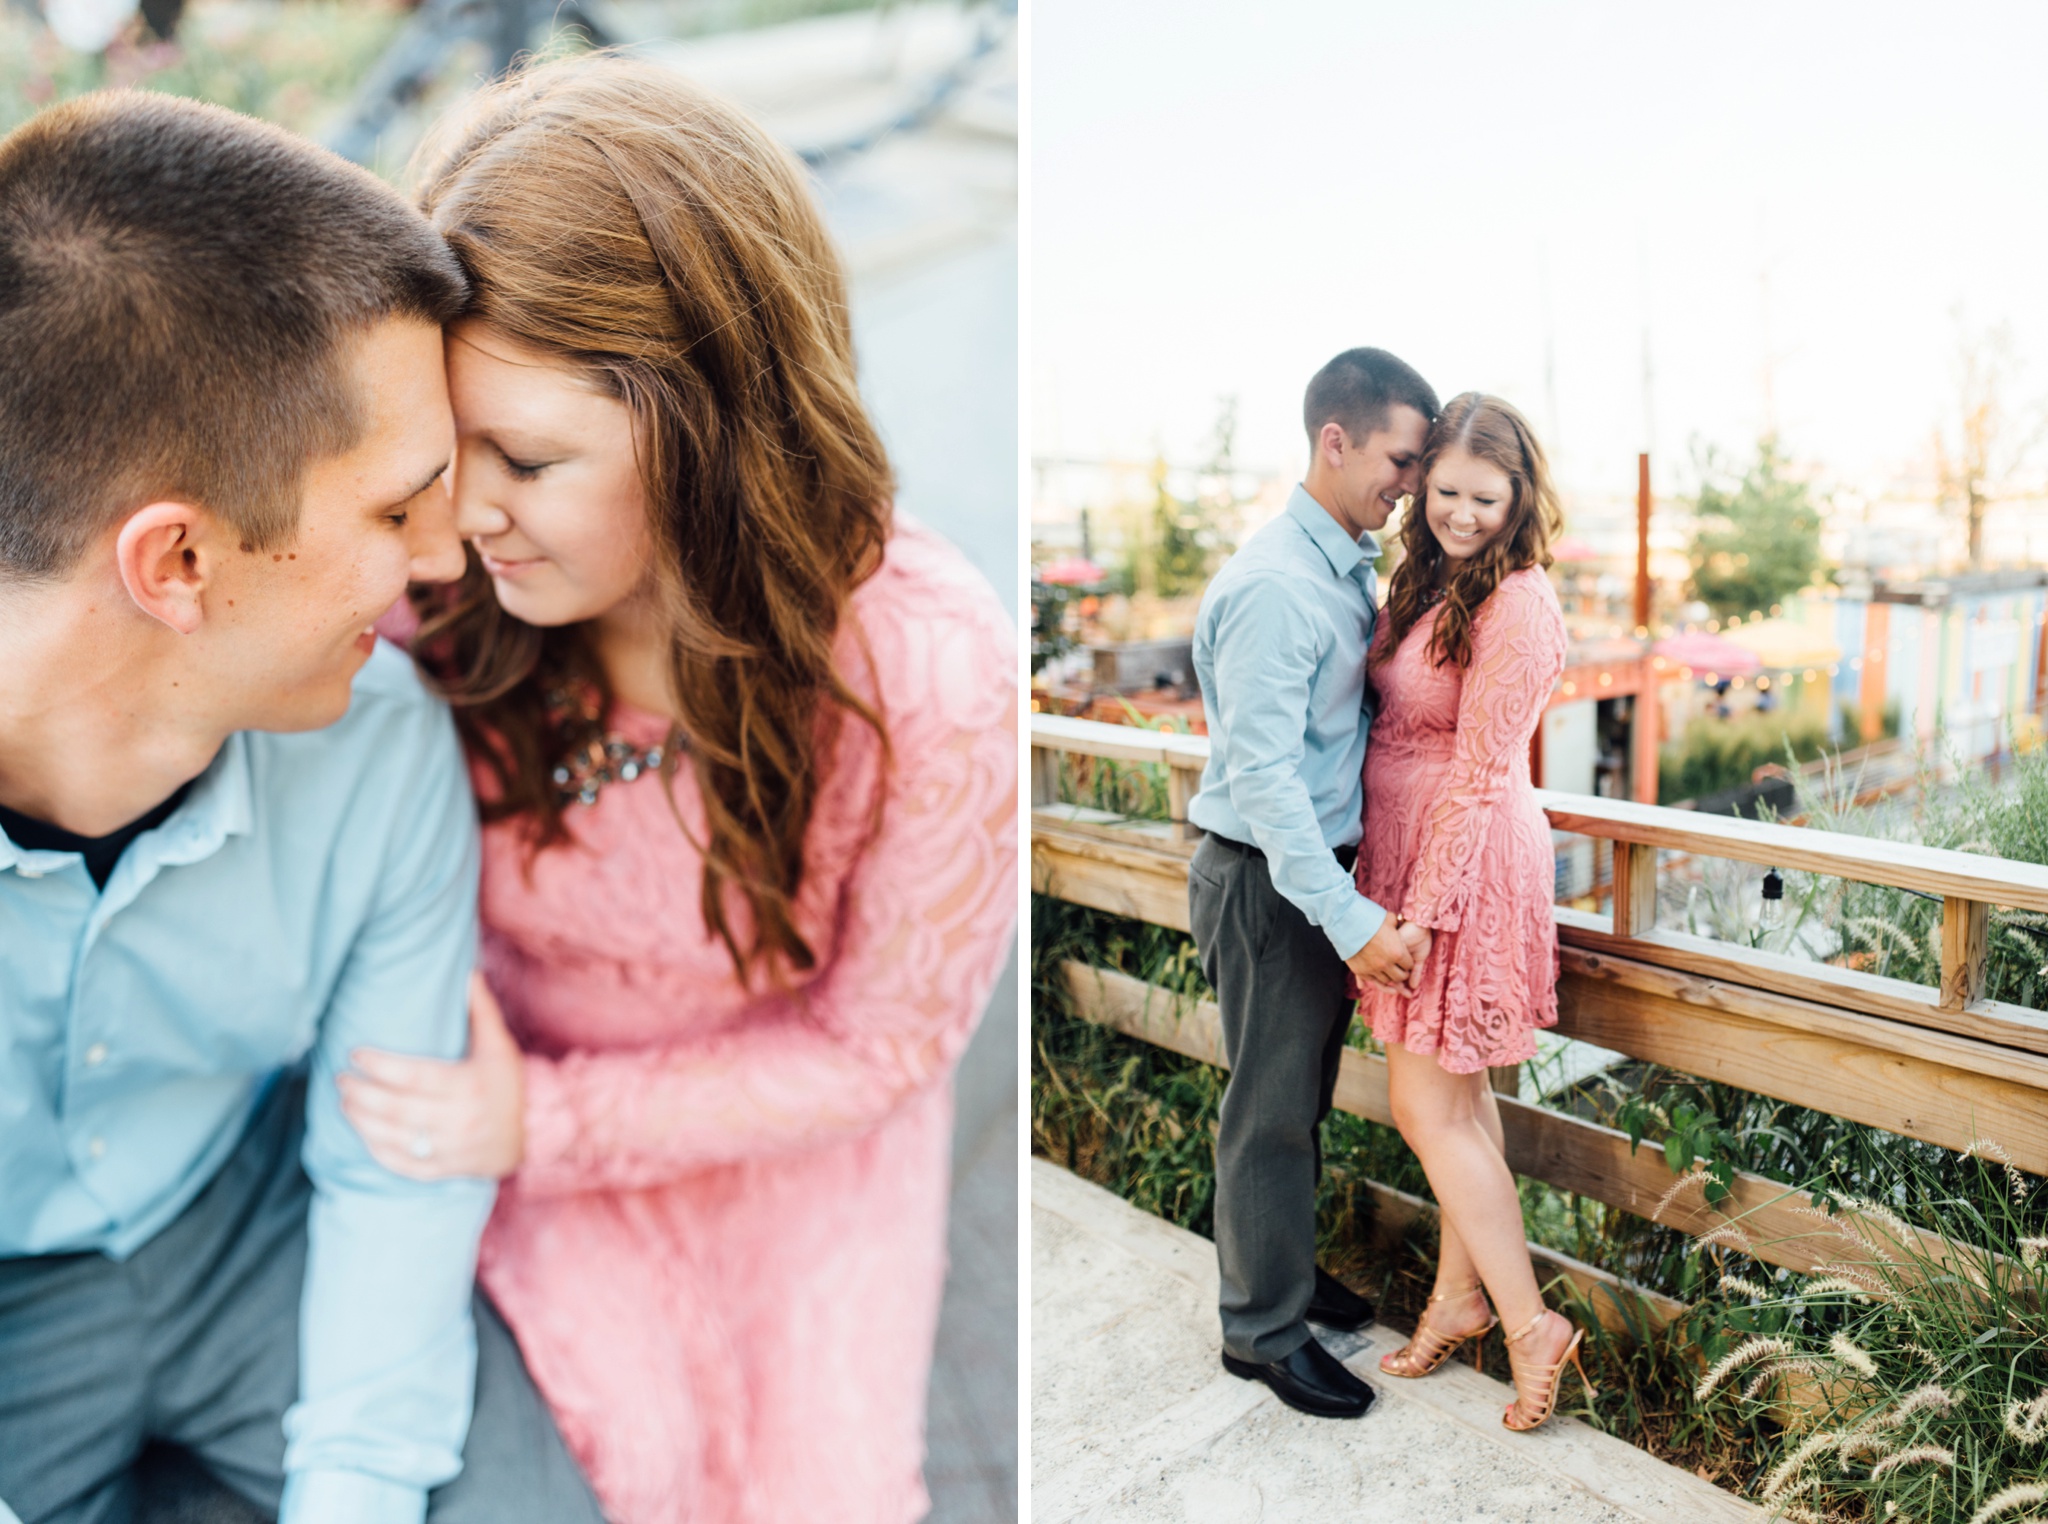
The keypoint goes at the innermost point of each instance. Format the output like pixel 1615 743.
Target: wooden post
pixel 1635 889
pixel 1642 609
pixel 1965 939
pixel 1045 776
pixel 1181 786
pixel 1644 736
pixel 1506 1081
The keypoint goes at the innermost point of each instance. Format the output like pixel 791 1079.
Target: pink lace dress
pixel 1453 836
pixel 724 1253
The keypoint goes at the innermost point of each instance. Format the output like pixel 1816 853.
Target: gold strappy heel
pixel 1547 1375
pixel 1431 1347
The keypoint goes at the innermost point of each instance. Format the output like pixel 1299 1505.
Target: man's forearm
pixel 388 1350
pixel 1282 823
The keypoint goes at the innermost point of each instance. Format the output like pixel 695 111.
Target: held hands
pixel 1393 959
pixel 1417 938
pixel 1385 962
pixel 428 1118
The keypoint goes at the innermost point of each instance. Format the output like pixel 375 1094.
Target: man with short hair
pixel 234 835
pixel 1280 648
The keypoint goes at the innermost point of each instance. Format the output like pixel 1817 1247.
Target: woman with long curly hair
pixel 745 748
pixel 1464 662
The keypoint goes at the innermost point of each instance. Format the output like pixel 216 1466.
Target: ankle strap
pixel 1528 1328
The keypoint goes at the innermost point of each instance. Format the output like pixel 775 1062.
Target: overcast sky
pixel 1225 194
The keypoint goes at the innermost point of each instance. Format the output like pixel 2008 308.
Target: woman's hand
pixel 428 1119
pixel 1416 939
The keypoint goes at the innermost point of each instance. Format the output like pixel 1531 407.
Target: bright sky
pixel 1225 194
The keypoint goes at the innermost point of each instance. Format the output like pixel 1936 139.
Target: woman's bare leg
pixel 1444 1118
pixel 1461 1312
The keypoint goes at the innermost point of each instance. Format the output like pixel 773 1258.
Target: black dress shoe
pixel 1311 1380
pixel 1336 1305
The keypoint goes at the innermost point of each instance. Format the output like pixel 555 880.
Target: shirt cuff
pixel 349 1497
pixel 1358 925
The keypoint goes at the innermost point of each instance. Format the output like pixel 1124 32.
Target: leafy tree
pixel 1188 536
pixel 1758 538
pixel 1049 637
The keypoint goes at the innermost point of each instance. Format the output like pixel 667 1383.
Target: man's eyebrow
pixel 432 477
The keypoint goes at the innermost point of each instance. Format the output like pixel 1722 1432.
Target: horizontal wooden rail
pixel 1967 884
pixel 1777 1222
pixel 1141 1010
pixel 1939 1086
pixel 1901 865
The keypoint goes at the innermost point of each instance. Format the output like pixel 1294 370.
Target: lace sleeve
pixel 925 918
pixel 1518 652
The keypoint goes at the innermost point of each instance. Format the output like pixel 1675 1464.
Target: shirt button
pixel 97 1148
pixel 95 1055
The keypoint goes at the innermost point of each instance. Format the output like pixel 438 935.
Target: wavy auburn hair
pixel 654 239
pixel 1491 430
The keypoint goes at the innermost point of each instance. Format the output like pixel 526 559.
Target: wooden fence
pixel 1943 1065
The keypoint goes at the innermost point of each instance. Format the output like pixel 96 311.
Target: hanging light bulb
pixel 1774 900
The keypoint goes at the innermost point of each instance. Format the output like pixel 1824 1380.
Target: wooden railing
pixel 1944 1065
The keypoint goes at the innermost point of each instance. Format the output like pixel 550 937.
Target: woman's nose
pixel 432 542
pixel 476 518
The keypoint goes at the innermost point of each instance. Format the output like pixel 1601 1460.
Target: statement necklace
pixel 592 755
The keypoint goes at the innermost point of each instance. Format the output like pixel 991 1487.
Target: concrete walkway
pixel 1133 1419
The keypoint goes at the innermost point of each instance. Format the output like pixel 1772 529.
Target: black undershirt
pixel 100 852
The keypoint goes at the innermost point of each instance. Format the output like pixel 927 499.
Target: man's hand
pixel 1417 938
pixel 1384 962
pixel 428 1119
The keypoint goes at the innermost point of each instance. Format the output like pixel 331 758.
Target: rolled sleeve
pixel 387 1348
pixel 1266 649
pixel 345 1497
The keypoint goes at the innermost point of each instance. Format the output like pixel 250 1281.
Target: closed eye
pixel 523 471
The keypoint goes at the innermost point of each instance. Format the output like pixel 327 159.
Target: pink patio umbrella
pixel 1072 571
pixel 1707 653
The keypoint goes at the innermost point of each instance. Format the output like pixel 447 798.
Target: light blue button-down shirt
pixel 313 893
pixel 1280 647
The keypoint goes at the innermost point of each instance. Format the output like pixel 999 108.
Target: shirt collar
pixel 220 805
pixel 1342 552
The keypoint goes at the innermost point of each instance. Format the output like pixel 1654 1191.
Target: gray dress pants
pixel 194 1342
pixel 1283 995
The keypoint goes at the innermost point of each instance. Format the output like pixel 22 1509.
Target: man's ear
pixel 1332 443
pixel 157 552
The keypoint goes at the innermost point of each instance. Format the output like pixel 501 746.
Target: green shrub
pixel 1715 755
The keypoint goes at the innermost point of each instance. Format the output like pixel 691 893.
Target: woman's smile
pixel 509 570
